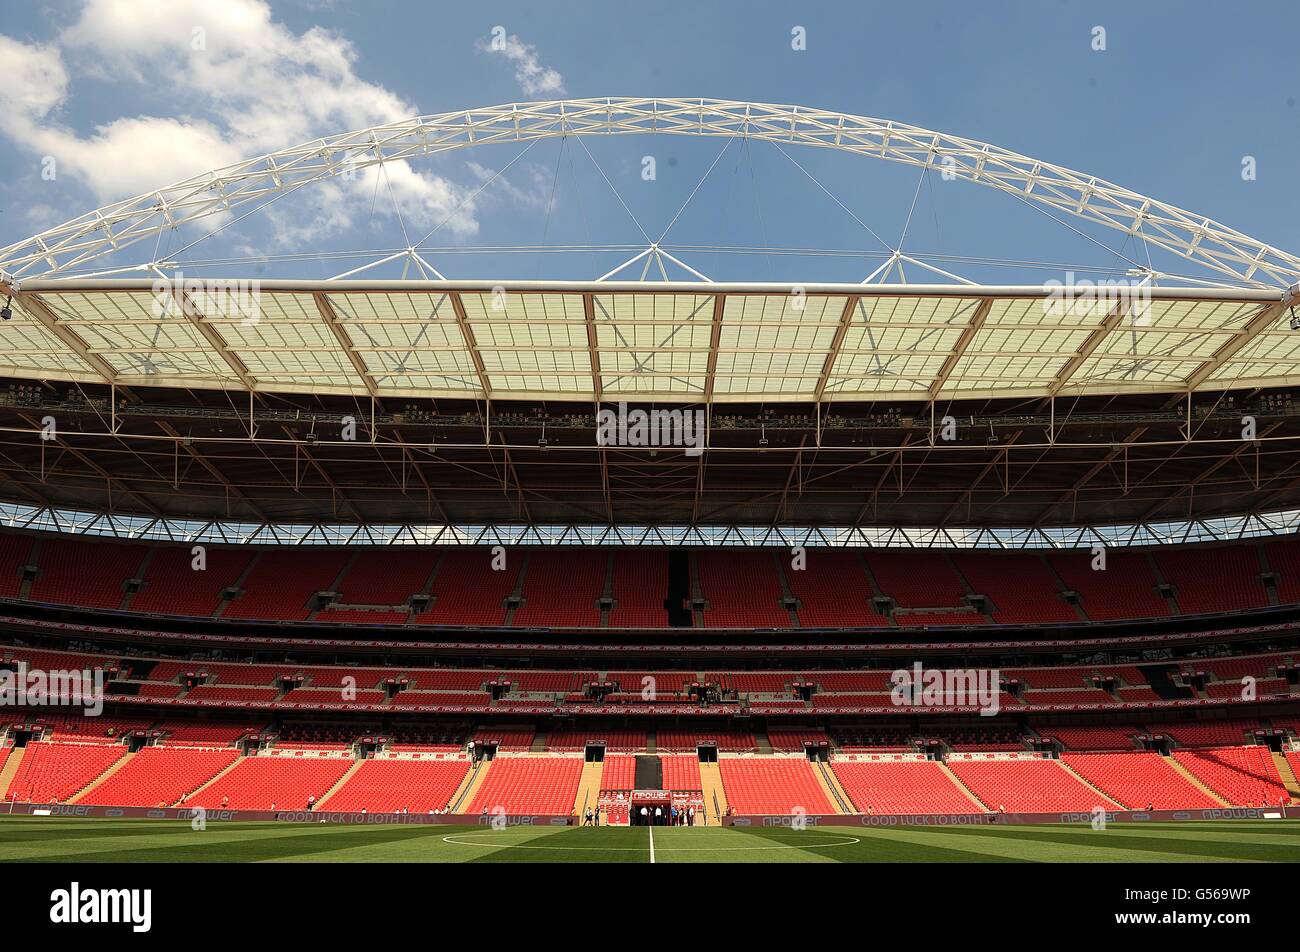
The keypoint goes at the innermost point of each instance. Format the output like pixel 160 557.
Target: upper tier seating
pixel 1020 584
pixel 1094 738
pixel 893 787
pixel 614 739
pixel 466 590
pixel 686 740
pixel 74 573
pixel 15 550
pixel 1205 733
pixel 793 739
pixel 1124 589
pixel 205 733
pixel 282 580
pixel 1138 780
pixel 160 776
pixel 387 575
pixel 742 589
pixel 562 592
pixel 258 783
pixel 392 786
pixel 640 588
pixel 173 586
pixel 1244 776
pixel 522 785
pixel 833 590
pixel 561 586
pixel 1025 786
pixel 757 786
pixel 1213 578
pixel 56 771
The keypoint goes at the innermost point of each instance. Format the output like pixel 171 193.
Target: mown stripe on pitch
pixel 877 848
pixel 1113 839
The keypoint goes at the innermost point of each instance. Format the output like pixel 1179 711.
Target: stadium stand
pixel 1138 780
pixel 886 787
pixel 742 589
pixel 1244 776
pixel 772 786
pixel 1025 785
pixel 396 786
pixel 160 776
pixel 266 783
pixel 541 785
pixel 54 771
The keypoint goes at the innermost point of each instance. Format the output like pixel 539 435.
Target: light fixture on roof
pixel 762 440
pixel 541 440
pixel 1289 301
pixel 7 312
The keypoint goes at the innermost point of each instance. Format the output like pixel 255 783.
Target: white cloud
pixel 534 78
pixel 245 84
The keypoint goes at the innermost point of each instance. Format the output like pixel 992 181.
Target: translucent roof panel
pixel 648 340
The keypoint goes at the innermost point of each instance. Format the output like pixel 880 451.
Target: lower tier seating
pixel 1025 786
pixel 909 786
pixel 160 776
pixel 1244 776
pixel 266 783
pixel 1139 780
pixel 54 771
pixel 394 786
pixel 541 785
pixel 772 786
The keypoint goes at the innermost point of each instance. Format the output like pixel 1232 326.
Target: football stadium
pixel 704 554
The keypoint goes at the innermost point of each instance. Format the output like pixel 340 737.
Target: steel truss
pixel 1178 532
pixel 112 228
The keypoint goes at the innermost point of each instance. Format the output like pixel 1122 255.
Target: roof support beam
pixel 191 311
pixel 331 319
pixel 1262 320
pixel 950 362
pixel 46 317
pixel 1090 344
pixel 1189 488
pixel 715 339
pixel 86 460
pixel 832 355
pixel 1073 493
pixel 329 481
pixel 467 332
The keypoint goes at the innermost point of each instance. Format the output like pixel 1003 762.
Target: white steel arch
pixel 94 235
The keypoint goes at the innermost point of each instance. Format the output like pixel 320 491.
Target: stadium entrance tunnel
pixel 646 802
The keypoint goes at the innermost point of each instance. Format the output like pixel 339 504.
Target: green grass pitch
pixel 42 839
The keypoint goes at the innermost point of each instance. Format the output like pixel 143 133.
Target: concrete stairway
pixel 1279 760
pixel 464 795
pixel 10 770
pixel 715 796
pixel 588 788
pixel 213 779
pixel 835 793
pixel 1108 801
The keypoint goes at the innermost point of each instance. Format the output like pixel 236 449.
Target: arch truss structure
pixel 77 244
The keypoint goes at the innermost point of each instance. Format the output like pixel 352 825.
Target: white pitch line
pixel 652 845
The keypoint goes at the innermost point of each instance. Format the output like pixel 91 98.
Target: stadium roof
pixel 649 341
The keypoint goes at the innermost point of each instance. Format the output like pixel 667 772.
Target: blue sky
pixel 115 93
